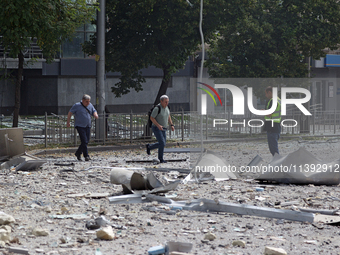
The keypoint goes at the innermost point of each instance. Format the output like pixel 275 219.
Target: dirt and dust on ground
pixel 50 210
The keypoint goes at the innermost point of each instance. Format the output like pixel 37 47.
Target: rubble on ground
pixel 68 205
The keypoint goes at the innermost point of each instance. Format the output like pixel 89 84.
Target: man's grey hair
pixel 164 97
pixel 86 97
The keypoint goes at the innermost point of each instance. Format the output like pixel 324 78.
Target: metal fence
pixel 189 126
pixel 118 127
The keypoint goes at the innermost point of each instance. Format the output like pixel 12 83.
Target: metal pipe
pixel 131 128
pixel 104 127
pixel 45 129
pixel 334 121
pixel 182 125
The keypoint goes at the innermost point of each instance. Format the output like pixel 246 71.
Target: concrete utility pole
pixel 100 97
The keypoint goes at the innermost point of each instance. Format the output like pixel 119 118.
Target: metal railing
pixel 131 127
pixel 33 51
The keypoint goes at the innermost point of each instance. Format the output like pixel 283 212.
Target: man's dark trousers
pixel 273 139
pixel 161 138
pixel 84 134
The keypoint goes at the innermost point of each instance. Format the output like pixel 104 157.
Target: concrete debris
pixel 209 236
pixel 155 209
pixel 23 162
pixel 7 228
pixel 18 250
pixel 274 251
pixel 89 195
pixel 12 151
pixel 327 219
pixel 179 253
pixel 5 236
pixel 105 233
pixel 6 219
pixel 71 216
pixel 142 220
pixel 11 142
pixel 97 223
pixel 210 167
pixel 311 242
pixel 239 243
pixel 178 247
pixel 40 232
pixel 283 204
pixel 300 167
pixel 30 163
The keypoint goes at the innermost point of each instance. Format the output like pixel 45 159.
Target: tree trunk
pixel 17 90
pixel 165 84
pixel 162 91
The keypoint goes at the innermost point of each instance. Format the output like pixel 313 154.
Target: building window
pixel 72 48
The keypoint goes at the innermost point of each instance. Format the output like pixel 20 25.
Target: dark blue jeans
pixel 273 139
pixel 161 138
pixel 84 134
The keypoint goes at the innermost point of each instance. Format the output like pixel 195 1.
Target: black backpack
pixel 149 114
pixel 150 111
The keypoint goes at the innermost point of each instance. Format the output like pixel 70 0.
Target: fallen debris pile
pixel 300 167
pixel 12 152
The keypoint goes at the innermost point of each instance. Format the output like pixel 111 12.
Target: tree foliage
pixel 49 21
pixel 274 39
pixel 160 33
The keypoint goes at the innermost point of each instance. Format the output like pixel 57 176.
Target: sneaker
pixel 87 158
pixel 163 161
pixel 78 156
pixel 148 149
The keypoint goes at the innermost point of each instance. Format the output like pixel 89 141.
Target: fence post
pixel 45 129
pixel 182 125
pixel 131 126
pixel 293 128
pixel 334 121
pixel 206 127
pixel 75 137
pixel 105 128
pixel 60 130
pixel 313 117
pixel 229 123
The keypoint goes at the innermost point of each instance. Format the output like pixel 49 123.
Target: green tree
pixel 275 38
pixel 160 33
pixel 49 21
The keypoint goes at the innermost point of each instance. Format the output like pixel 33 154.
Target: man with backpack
pixel 160 117
pixel 83 112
